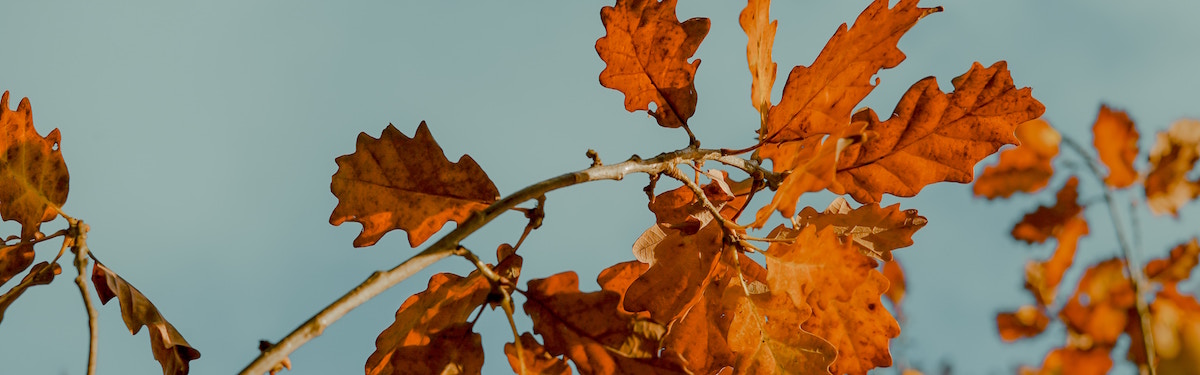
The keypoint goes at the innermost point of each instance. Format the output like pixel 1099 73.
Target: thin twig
pixel 730 228
pixel 380 281
pixel 79 247
pixel 507 305
pixel 1132 266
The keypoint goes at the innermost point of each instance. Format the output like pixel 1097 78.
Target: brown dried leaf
pixel 452 350
pixel 396 182
pixel 1027 321
pixel 1025 168
pixel 934 137
pixel 1047 221
pixel 535 358
pixel 33 176
pixel 168 346
pixel 37 276
pixel 1042 278
pixel 1116 140
pixel 896 284
pixel 1174 155
pixel 1177 266
pixel 810 165
pixel 646 50
pixel 681 265
pixel 760 35
pixel 875 231
pixel 15 259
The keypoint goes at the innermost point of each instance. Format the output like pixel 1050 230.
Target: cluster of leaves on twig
pixel 1110 300
pixel 692 300
pixel 33 187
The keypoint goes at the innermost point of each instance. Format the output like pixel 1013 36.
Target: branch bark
pixel 380 281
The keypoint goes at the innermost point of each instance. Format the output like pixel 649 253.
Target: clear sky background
pixel 201 137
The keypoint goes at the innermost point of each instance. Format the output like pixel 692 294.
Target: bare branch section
pixel 380 281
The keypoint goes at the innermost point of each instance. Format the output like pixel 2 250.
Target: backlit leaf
pixel 168 346
pixel 1027 321
pixel 33 176
pixel 535 358
pixel 15 259
pixel 1116 141
pixel 1046 221
pixel 1174 154
pixel 452 350
pixel 646 50
pixel 1025 168
pixel 1042 278
pixel 875 231
pixel 810 163
pixel 396 182
pixel 934 137
pixel 896 284
pixel 760 34
pixel 681 265
pixel 1101 305
pixel 1177 266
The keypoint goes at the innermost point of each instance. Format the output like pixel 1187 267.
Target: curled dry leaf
pixel 446 303
pixel 41 274
pixel 760 34
pixel 396 182
pixel 875 231
pixel 646 50
pixel 594 332
pixel 1026 168
pixel 1174 155
pixel 535 358
pixel 1042 278
pixel 934 137
pixel 1027 321
pixel 15 259
pixel 1046 221
pixel 168 346
pixel 842 288
pixel 33 176
pixel 1116 141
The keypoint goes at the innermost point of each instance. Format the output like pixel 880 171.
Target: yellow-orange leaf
pixel 875 231
pixel 396 182
pixel 1174 154
pixel 1074 361
pixel 1042 278
pixel 168 346
pixel 534 357
pixel 1116 141
pixel 41 274
pixel 760 35
pixel 1024 168
pixel 843 289
pixel 896 284
pixel 1176 267
pixel 818 99
pixel 1027 321
pixel 1101 305
pixel 1175 321
pixel 14 259
pixel 646 50
pixel 594 332
pixel 33 176
pixel 934 137
pixel 810 164
pixel 1046 221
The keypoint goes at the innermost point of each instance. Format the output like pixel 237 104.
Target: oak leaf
pixel 1174 155
pixel 1101 305
pixel 1044 222
pixel 810 165
pixel 894 273
pixel 843 289
pixel 934 137
pixel 1027 321
pixel 396 182
pixel 1176 267
pixel 534 358
pixel 645 49
pixel 15 259
pixel 1026 168
pixel 1116 141
pixel 875 231
pixel 760 34
pixel 1073 361
pixel 33 176
pixel 593 331
pixel 1042 278
pixel 168 346
pixel 41 274
pixel 451 350
pixel 1175 321
pixel 679 212
pixel 675 280
pixel 448 301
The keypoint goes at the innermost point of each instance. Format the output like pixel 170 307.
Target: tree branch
pixel 380 281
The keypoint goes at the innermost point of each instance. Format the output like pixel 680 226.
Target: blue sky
pixel 201 138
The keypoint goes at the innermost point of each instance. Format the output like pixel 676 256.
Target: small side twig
pixel 730 228
pixel 78 239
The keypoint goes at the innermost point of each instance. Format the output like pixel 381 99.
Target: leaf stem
pixel 380 281
pixel 1136 279
pixel 78 240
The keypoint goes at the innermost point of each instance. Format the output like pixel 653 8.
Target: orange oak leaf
pixel 168 346
pixel 675 280
pixel 41 274
pixel 1176 267
pixel 875 231
pixel 452 350
pixel 396 182
pixel 1175 321
pixel 1046 221
pixel 896 284
pixel 760 34
pixel 1073 361
pixel 1025 168
pixel 594 332
pixel 15 259
pixel 534 358
pixel 1100 307
pixel 810 165
pixel 934 137
pixel 819 99
pixel 678 212
pixel 448 300
pixel 646 50
pixel 1042 278
pixel 843 289
pixel 1116 141
pixel 33 176
pixel 1174 155
pixel 1027 321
